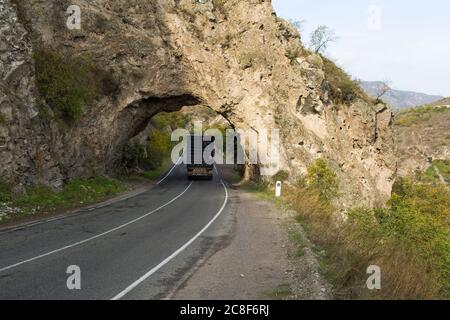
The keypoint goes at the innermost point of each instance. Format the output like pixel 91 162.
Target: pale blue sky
pixel 410 46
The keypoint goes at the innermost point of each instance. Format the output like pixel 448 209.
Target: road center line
pixel 173 255
pixel 96 236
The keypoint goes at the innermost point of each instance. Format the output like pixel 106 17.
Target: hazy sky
pixel 405 41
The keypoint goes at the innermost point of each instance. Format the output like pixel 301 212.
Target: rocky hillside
pixel 70 100
pixel 423 137
pixel 398 99
pixel 441 103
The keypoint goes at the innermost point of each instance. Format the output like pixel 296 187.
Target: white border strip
pixel 96 236
pixel 173 255
pixel 170 171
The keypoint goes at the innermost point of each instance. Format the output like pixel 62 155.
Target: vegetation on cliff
pixel 339 84
pixel 69 84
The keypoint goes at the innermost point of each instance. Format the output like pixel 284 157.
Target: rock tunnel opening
pixel 154 119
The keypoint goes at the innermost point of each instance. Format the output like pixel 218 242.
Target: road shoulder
pixel 133 191
pixel 260 261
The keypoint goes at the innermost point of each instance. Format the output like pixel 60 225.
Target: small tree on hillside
pixel 384 88
pixel 321 38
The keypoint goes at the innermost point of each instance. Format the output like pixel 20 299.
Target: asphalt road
pixel 132 249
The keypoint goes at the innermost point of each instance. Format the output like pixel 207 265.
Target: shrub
pixel 68 84
pixel 341 88
pixel 323 180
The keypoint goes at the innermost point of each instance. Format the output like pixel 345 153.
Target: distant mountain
pixel 398 99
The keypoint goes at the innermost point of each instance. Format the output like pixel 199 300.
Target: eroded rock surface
pixel 234 56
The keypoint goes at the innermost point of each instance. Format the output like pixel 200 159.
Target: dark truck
pixel 198 165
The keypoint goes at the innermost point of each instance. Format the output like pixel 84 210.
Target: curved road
pixel 131 249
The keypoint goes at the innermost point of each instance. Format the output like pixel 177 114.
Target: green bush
pixel 68 84
pixel 417 221
pixel 322 179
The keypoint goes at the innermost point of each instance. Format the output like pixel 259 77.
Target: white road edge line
pixel 173 255
pixel 96 236
pixel 170 171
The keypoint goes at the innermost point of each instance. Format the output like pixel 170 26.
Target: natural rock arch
pixel 237 58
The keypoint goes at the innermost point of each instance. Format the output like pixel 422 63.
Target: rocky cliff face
pixel 236 57
pixel 422 137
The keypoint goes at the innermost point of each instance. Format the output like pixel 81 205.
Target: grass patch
pixel 444 168
pixel 299 244
pixel 431 176
pixel 280 292
pixel 411 117
pixel 77 192
pixel 262 191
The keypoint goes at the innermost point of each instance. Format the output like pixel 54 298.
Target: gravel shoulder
pixel 267 257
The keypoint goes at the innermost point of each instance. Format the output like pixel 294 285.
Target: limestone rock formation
pixel 234 56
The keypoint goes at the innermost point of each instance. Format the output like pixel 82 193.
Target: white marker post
pixel 278 189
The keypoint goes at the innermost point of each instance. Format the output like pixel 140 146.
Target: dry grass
pixel 351 247
pixel 409 241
